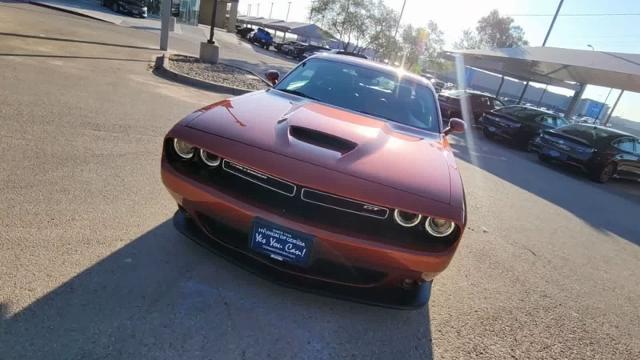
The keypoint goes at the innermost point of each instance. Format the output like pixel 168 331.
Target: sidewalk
pixel 186 39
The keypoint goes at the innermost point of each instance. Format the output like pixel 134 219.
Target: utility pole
pixel 165 14
pixel 544 43
pixel 400 18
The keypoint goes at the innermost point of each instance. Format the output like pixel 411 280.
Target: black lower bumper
pixel 393 297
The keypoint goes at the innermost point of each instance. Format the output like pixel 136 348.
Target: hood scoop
pixel 322 139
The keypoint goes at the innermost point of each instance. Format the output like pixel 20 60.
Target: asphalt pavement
pixel 91 266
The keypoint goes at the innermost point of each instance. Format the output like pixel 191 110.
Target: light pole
pixel 544 43
pixel 591 46
pixel 288 8
pixel 271 10
pixel 213 21
pixel 400 18
pixel 258 11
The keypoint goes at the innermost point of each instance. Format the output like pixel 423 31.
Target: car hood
pixel 386 153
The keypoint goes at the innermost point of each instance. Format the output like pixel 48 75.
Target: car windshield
pixel 366 90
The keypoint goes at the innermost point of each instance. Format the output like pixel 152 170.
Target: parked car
pixel 347 53
pixel 244 32
pixel 299 51
pixel 310 53
pixel 130 7
pixel 602 152
pixel 451 103
pixel 282 46
pixel 339 179
pixel 518 123
pixel 262 37
pixel 438 85
pixel 331 51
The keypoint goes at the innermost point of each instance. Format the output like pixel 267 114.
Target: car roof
pixel 352 60
pixel 604 129
pixel 533 109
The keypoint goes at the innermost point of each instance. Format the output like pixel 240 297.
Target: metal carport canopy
pixel 559 66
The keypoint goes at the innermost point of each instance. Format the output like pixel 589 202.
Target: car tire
pixel 544 158
pixel 114 7
pixel 488 134
pixel 604 174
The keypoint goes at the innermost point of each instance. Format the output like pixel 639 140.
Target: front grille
pixel 260 178
pixel 320 268
pixel 344 204
pixel 327 211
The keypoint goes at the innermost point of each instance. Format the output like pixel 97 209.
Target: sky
pixel 617 33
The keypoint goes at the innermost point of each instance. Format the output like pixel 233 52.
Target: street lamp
pixel 213 22
pixel 288 8
pixel 591 46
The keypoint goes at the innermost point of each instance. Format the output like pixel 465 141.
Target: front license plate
pixel 281 243
pixel 555 154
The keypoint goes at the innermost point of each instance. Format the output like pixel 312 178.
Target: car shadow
pixel 163 296
pixel 609 207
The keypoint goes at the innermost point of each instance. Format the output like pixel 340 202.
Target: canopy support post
pixel 500 86
pixel 613 108
pixel 524 90
pixel 574 101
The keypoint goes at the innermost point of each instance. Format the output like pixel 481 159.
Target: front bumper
pixel 341 265
pixel 395 297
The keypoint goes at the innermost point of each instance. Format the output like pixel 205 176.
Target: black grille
pixel 344 204
pixel 259 178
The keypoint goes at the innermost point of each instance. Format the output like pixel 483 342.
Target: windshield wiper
pixel 299 93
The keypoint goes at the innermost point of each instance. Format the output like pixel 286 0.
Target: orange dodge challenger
pixel 339 179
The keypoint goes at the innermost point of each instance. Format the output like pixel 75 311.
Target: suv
pixel 262 37
pixel 131 7
pixel 450 103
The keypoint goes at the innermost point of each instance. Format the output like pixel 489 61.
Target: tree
pixel 357 23
pixel 433 49
pixel 469 40
pixel 346 19
pixel 414 41
pixel 493 31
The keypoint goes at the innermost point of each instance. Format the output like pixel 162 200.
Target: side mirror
pixel 272 76
pixel 455 126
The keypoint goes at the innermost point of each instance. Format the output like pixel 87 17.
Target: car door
pixel 627 157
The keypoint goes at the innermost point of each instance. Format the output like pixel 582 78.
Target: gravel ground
pixel 217 73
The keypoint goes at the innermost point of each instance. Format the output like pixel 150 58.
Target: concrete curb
pixel 69 11
pixel 162 69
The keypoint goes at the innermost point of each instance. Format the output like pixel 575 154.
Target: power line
pixel 574 15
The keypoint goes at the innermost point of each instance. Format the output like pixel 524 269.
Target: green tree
pixel 493 31
pixel 346 19
pixel 357 23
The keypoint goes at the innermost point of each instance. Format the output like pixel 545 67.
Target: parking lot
pixel 92 267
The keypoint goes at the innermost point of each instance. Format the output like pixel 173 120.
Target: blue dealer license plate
pixel 281 243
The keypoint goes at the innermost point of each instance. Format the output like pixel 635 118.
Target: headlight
pixel 439 227
pixel 406 219
pixel 183 149
pixel 209 158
